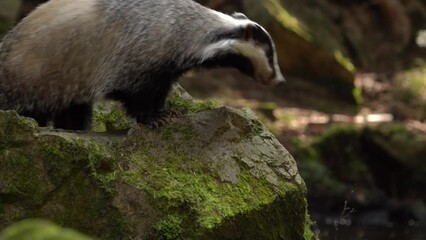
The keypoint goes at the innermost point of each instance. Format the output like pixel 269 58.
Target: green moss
pixel 87 169
pixel 174 181
pixel 16 130
pixel 344 61
pixel 308 234
pixel 287 19
pixel 109 117
pixel 357 93
pixel 39 230
pixel 65 155
pixel 170 228
pixel 192 106
pixel 288 119
pixel 395 132
pixel 180 100
pixel 284 218
pixel 20 178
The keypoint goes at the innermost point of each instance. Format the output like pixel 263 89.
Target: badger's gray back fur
pixel 81 50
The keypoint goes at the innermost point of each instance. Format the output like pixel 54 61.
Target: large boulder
pixel 210 174
pixel 397 154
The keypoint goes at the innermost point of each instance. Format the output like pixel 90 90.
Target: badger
pixel 66 55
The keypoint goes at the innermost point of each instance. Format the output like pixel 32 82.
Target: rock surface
pixel 210 174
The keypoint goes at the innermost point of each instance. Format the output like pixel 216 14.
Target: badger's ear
pixel 238 15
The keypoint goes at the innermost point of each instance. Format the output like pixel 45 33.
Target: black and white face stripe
pixel 245 46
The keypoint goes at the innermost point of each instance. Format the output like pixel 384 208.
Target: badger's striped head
pixel 244 45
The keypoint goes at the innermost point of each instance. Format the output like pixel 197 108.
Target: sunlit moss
pixel 39 230
pixel 170 228
pixel 109 117
pixel 286 19
pixel 357 93
pixel 344 61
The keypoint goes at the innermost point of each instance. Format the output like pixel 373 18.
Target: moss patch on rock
pixel 180 100
pixel 110 117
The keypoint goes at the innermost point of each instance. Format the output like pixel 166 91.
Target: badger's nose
pixel 278 79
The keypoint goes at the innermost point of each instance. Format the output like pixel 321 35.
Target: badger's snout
pixel 269 77
pixel 274 80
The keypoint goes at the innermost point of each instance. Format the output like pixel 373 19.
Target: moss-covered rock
pixel 109 117
pixel 39 230
pixel 369 165
pixel 399 154
pixel 212 173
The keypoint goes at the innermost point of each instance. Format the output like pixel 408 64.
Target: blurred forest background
pixel 352 112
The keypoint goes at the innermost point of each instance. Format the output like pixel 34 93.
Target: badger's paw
pixel 160 119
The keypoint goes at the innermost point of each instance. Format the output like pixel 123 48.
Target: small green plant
pixel 169 228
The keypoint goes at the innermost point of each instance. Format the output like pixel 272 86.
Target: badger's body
pixel 67 54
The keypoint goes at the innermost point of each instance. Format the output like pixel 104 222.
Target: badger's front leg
pixel 147 104
pixel 153 114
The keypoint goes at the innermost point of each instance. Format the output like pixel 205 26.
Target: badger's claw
pixel 160 119
pixel 173 113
